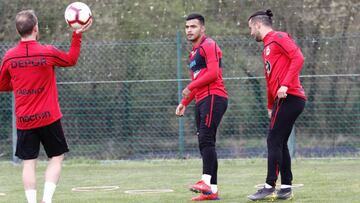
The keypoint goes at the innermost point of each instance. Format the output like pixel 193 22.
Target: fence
pixel 119 101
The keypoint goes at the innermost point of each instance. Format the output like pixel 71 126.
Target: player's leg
pixel 27 149
pixel 286 112
pixel 54 142
pixel 279 129
pixel 211 112
pixel 213 181
pixel 218 111
pixel 275 143
pixel 206 146
pixel 29 180
pixel 274 154
pixel 285 166
pixel 52 175
pixel 53 169
pixel 285 191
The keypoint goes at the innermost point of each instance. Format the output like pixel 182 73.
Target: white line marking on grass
pixel 259 186
pixel 2 194
pixel 148 191
pixel 94 188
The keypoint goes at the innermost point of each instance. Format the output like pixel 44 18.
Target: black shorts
pixel 51 136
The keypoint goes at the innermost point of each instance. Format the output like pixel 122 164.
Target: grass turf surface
pixel 325 180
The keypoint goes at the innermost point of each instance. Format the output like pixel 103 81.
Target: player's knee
pixel 270 140
pixel 273 142
pixel 206 144
pixel 58 158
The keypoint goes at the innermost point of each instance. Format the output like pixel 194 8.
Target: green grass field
pixel 325 180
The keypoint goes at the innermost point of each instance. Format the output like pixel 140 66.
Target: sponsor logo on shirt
pixel 28 62
pixel 268 67
pixel 196 73
pixel 28 92
pixel 192 64
pixel 34 117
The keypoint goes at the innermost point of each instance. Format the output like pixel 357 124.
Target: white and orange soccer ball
pixel 77 14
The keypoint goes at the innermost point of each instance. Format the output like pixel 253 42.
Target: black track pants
pixel 209 113
pixel 284 114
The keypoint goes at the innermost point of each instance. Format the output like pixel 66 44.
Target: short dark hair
pixel 264 16
pixel 196 16
pixel 25 21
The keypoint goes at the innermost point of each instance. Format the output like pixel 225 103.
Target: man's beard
pixel 194 39
pixel 258 39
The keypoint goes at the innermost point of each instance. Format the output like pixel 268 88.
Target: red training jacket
pixel 206 71
pixel 283 62
pixel 29 71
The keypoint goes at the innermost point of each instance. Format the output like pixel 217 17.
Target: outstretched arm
pixel 65 59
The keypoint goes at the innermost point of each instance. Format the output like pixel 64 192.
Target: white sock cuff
pixel 285 186
pixel 267 185
pixel 49 189
pixel 206 178
pixel 214 188
pixel 31 195
pixel 50 184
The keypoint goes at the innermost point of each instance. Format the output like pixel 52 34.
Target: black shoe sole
pixel 193 190
pixel 269 199
pixel 198 191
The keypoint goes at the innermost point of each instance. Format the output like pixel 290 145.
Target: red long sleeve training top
pixel 29 71
pixel 206 71
pixel 283 62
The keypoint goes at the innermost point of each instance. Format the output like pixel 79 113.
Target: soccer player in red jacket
pixel 28 70
pixel 283 62
pixel 207 87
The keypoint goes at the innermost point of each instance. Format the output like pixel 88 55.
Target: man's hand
pixel 281 93
pixel 85 27
pixel 186 93
pixel 180 110
pixel 269 112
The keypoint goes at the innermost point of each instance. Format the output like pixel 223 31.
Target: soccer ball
pixel 77 14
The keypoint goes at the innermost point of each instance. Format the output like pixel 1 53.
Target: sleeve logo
pixel 267 51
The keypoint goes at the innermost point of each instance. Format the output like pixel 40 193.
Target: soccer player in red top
pixel 28 70
pixel 283 62
pixel 207 87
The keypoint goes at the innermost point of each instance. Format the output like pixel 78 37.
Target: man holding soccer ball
pixel 28 71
